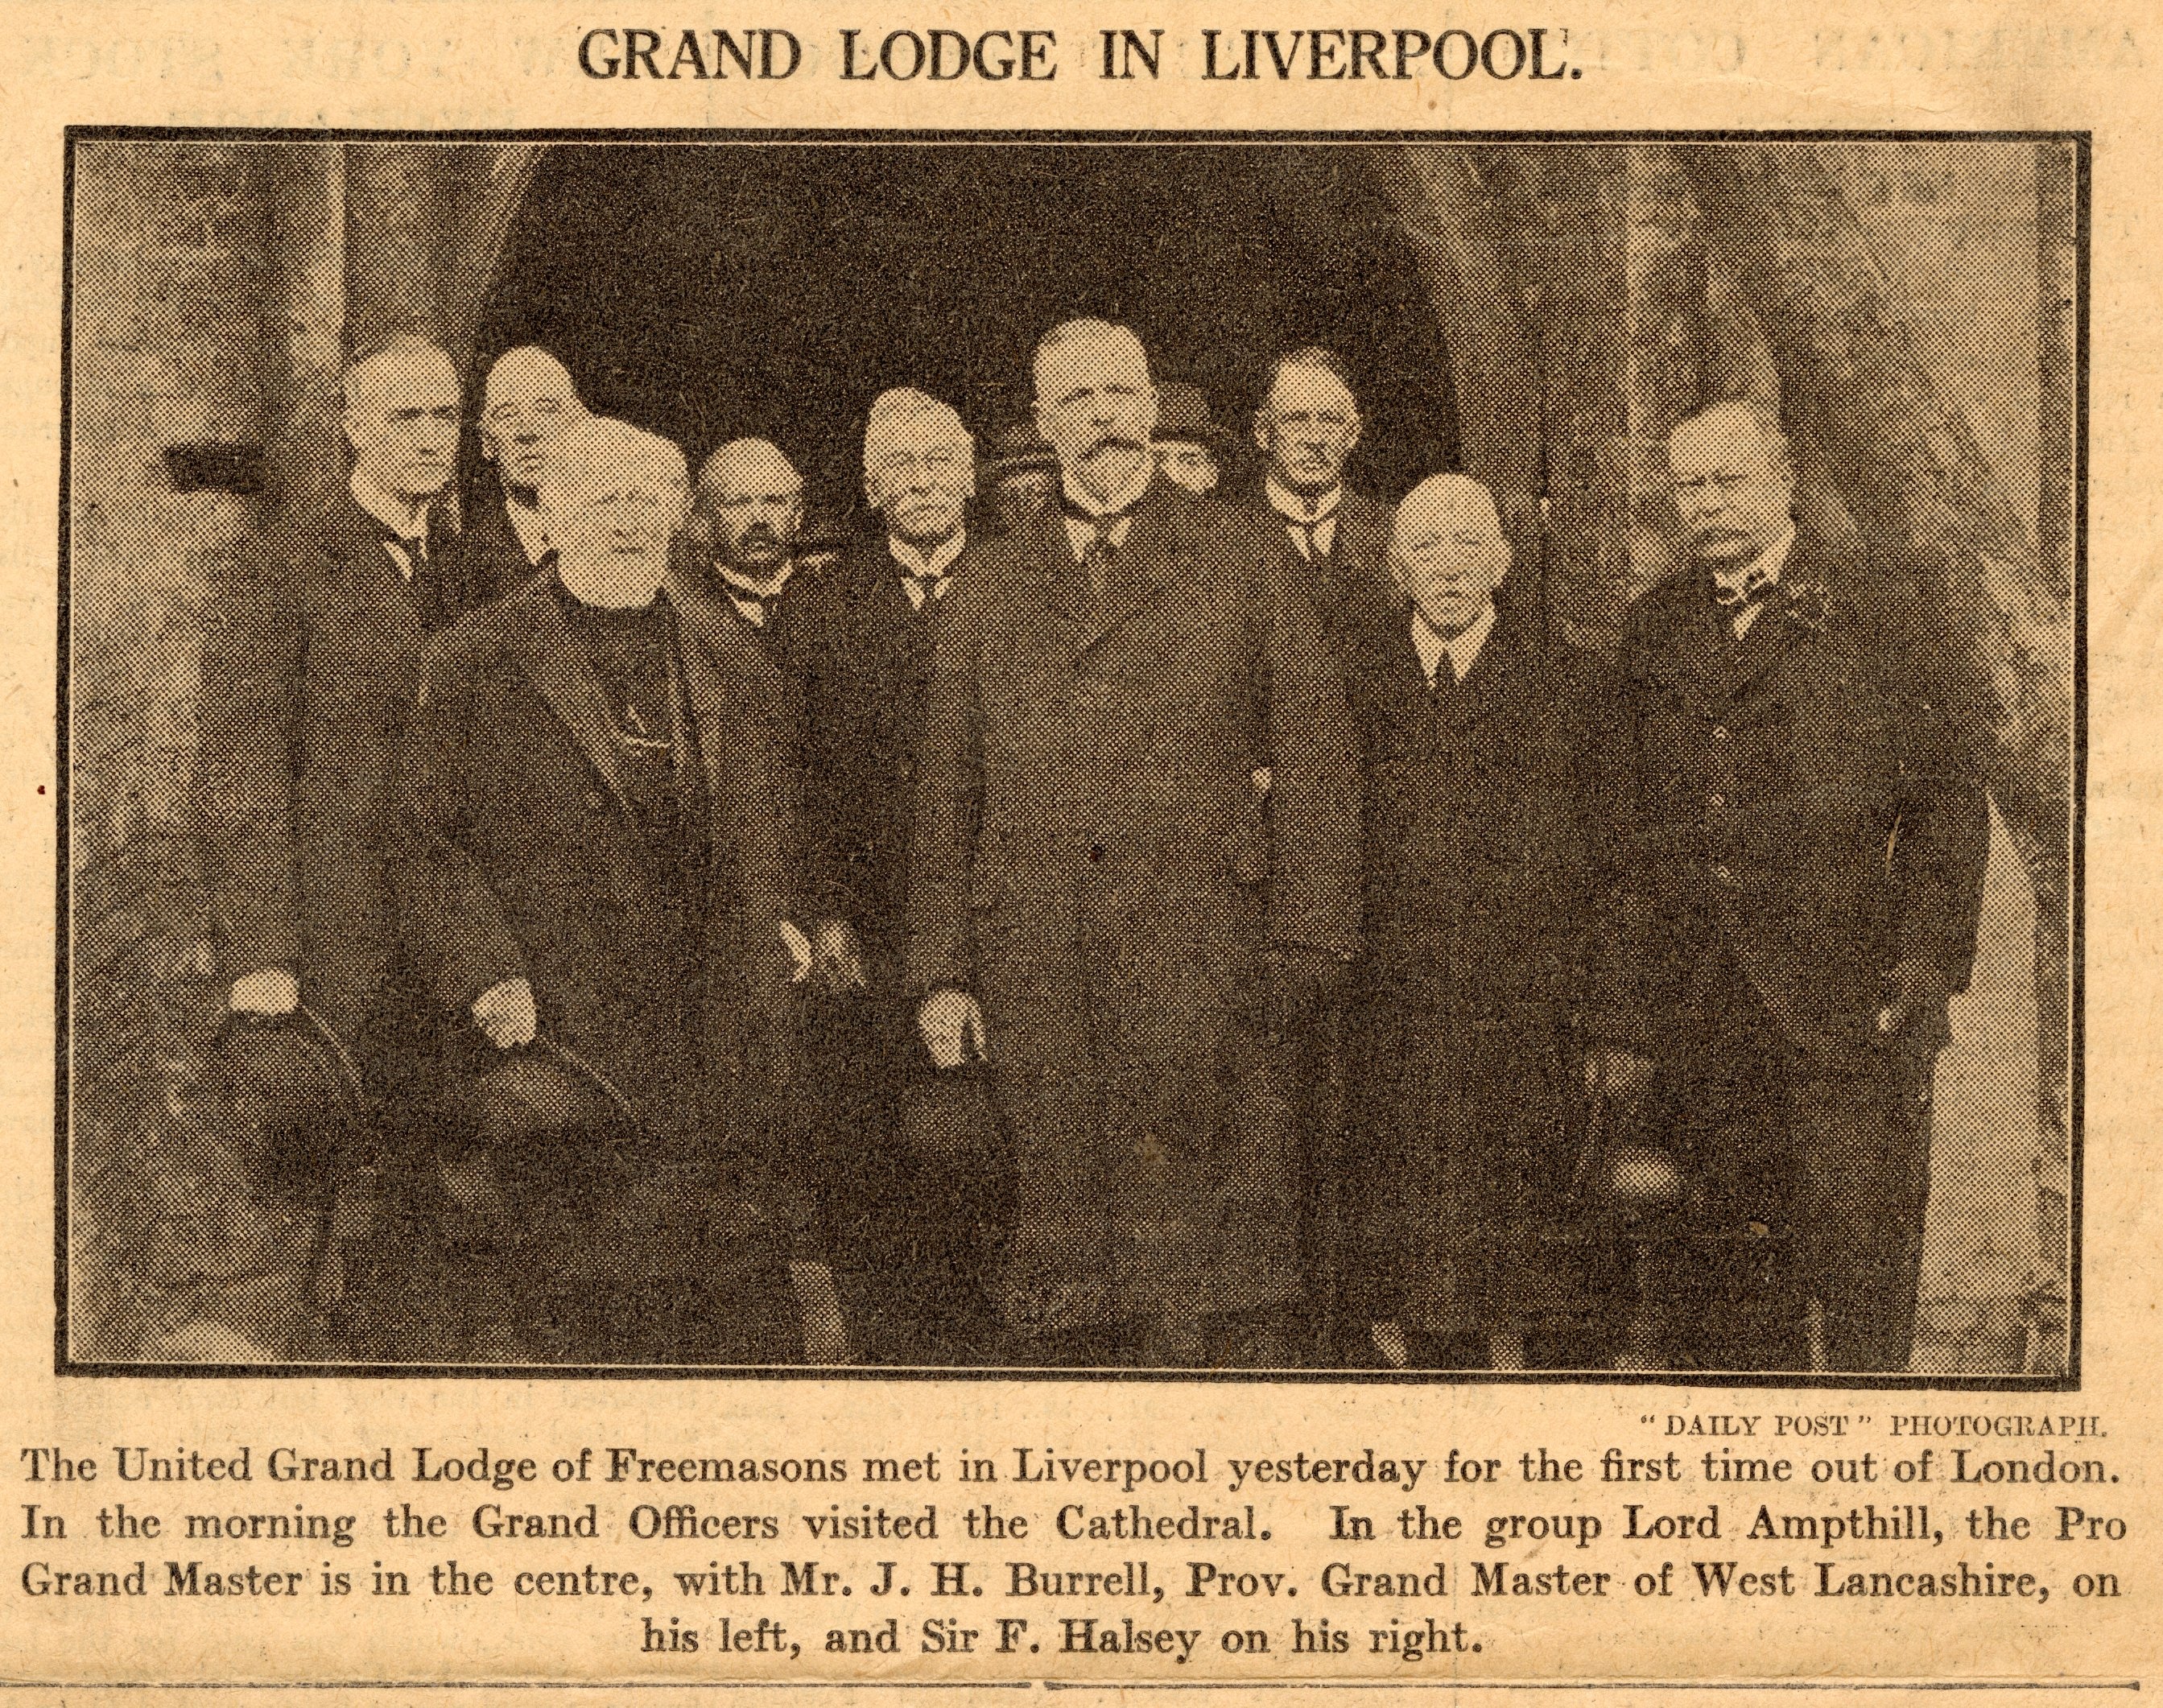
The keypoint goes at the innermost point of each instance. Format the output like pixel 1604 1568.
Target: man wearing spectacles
pixel 1307 428
pixel 529 399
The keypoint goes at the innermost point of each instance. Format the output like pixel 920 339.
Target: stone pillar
pixel 395 218
pixel 1607 253
pixel 173 251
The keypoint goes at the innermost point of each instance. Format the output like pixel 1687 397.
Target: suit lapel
pixel 1143 568
pixel 542 643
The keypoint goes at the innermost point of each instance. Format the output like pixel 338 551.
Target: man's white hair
pixel 600 442
pixel 893 410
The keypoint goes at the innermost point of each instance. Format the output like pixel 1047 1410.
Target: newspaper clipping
pixel 1063 850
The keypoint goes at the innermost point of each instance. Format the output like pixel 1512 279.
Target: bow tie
pixel 1758 585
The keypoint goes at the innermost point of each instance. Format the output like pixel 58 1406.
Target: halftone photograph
pixel 1304 758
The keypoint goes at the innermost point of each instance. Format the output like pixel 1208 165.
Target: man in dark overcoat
pixel 600 844
pixel 1134 871
pixel 528 399
pixel 311 654
pixel 915 1226
pixel 1804 882
pixel 1489 854
pixel 1306 429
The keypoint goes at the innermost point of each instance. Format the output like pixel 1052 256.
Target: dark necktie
pixel 1444 687
pixel 930 588
pixel 1096 556
pixel 1307 530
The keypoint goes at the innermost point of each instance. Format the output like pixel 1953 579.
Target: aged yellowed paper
pixel 1071 849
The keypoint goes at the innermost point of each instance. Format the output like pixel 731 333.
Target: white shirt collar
pixel 1081 534
pixel 1463 649
pixel 389 510
pixel 1304 523
pixel 919 567
pixel 754 601
pixel 1763 570
pixel 1292 507
pixel 526 522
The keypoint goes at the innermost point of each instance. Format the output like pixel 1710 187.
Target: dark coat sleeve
pixel 454 928
pixel 949 788
pixel 1314 774
pixel 1596 726
pixel 255 654
pixel 1936 862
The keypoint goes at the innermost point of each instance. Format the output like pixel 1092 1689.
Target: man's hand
pixel 952 1027
pixel 471 1182
pixel 1912 989
pixel 837 957
pixel 505 1013
pixel 1620 1077
pixel 798 947
pixel 270 990
pixel 825 1335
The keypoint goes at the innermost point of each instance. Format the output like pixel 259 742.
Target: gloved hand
pixel 268 990
pixel 826 1334
pixel 952 1027
pixel 506 1012
pixel 837 957
pixel 1619 1075
pixel 1914 990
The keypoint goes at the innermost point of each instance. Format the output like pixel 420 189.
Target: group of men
pixel 1163 931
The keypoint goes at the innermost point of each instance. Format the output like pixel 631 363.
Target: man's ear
pixel 1358 427
pixel 487 446
pixel 1262 430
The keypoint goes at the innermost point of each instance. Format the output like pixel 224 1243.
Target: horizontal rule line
pixel 1122 1684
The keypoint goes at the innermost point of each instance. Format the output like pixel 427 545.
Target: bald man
pixel 1488 858
pixel 1134 879
pixel 748 515
pixel 605 848
pixel 528 400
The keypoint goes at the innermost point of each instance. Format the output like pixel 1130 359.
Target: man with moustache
pixel 1135 874
pixel 1306 429
pixel 580 786
pixel 749 507
pixel 311 654
pixel 528 400
pixel 1489 848
pixel 1808 850
pixel 907 1229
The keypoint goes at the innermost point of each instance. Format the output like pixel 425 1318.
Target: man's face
pixel 619 514
pixel 1096 404
pixel 1185 463
pixel 530 399
pixel 1020 494
pixel 754 502
pixel 1448 554
pixel 401 418
pixel 1307 428
pixel 920 478
pixel 1733 489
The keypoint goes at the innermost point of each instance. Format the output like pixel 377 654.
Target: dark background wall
pixel 708 293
